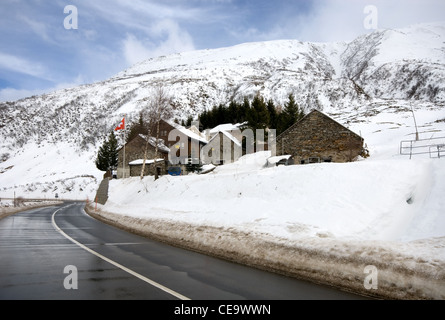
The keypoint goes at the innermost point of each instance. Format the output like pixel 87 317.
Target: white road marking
pixel 121 243
pixel 149 281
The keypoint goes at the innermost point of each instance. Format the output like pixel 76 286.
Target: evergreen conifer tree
pixel 102 157
pixel 258 116
pixel 221 114
pixel 107 157
pixel 244 109
pixel 233 112
pixel 137 128
pixel 273 115
pixel 113 153
pixel 290 115
pixel 189 121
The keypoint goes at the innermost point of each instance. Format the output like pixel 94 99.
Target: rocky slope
pixel 401 68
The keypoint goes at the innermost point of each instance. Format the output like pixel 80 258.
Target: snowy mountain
pixel 49 142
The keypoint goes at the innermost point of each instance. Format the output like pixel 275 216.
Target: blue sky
pixel 38 54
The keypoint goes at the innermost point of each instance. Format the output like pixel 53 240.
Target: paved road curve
pixel 36 246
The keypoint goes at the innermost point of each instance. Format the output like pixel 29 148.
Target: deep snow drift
pixel 325 222
pixel 392 200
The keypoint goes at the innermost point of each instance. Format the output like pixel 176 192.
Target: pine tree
pixel 137 128
pixel 258 116
pixel 102 157
pixel 290 115
pixel 273 115
pixel 107 157
pixel 189 121
pixel 233 112
pixel 221 114
pixel 244 109
pixel 112 149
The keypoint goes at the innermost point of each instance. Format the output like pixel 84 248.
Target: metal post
pixel 125 130
pixel 415 123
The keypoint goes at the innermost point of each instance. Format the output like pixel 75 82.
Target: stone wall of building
pixel 318 138
pixel 134 150
pixel 149 170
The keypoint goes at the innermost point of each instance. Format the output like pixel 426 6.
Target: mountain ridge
pixel 401 67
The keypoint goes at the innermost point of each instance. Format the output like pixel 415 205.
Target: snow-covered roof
pixel 187 132
pixel 152 141
pixel 226 127
pixel 195 130
pixel 141 161
pixel 228 135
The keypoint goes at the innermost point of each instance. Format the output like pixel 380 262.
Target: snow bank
pixel 325 222
pixel 368 200
pixel 7 207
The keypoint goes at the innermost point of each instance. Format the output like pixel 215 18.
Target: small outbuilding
pixel 319 138
pixel 134 155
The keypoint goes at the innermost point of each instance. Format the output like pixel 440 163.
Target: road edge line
pixel 149 281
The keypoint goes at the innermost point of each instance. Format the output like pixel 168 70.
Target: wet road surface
pixel 61 253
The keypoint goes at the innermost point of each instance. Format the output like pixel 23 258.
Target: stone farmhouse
pixel 315 138
pixel 134 155
pixel 176 146
pixel 319 138
pixel 185 145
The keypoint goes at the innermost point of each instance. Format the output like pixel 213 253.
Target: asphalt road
pixel 61 253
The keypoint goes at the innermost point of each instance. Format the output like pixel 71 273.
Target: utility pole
pixel 125 142
pixel 415 123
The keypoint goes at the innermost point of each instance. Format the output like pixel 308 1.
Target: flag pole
pixel 125 129
pixel 122 126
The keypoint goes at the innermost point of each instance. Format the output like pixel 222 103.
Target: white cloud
pixel 16 64
pixel 339 20
pixel 134 50
pixel 342 20
pixel 164 37
pixel 39 28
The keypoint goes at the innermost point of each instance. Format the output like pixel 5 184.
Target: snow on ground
pixel 7 206
pixel 380 200
pixel 43 170
pixel 325 222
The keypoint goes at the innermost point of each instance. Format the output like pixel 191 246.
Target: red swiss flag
pixel 121 126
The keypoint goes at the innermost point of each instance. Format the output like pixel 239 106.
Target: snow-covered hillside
pixel 325 222
pixel 50 141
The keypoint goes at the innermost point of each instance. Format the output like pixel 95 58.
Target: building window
pixel 314 160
